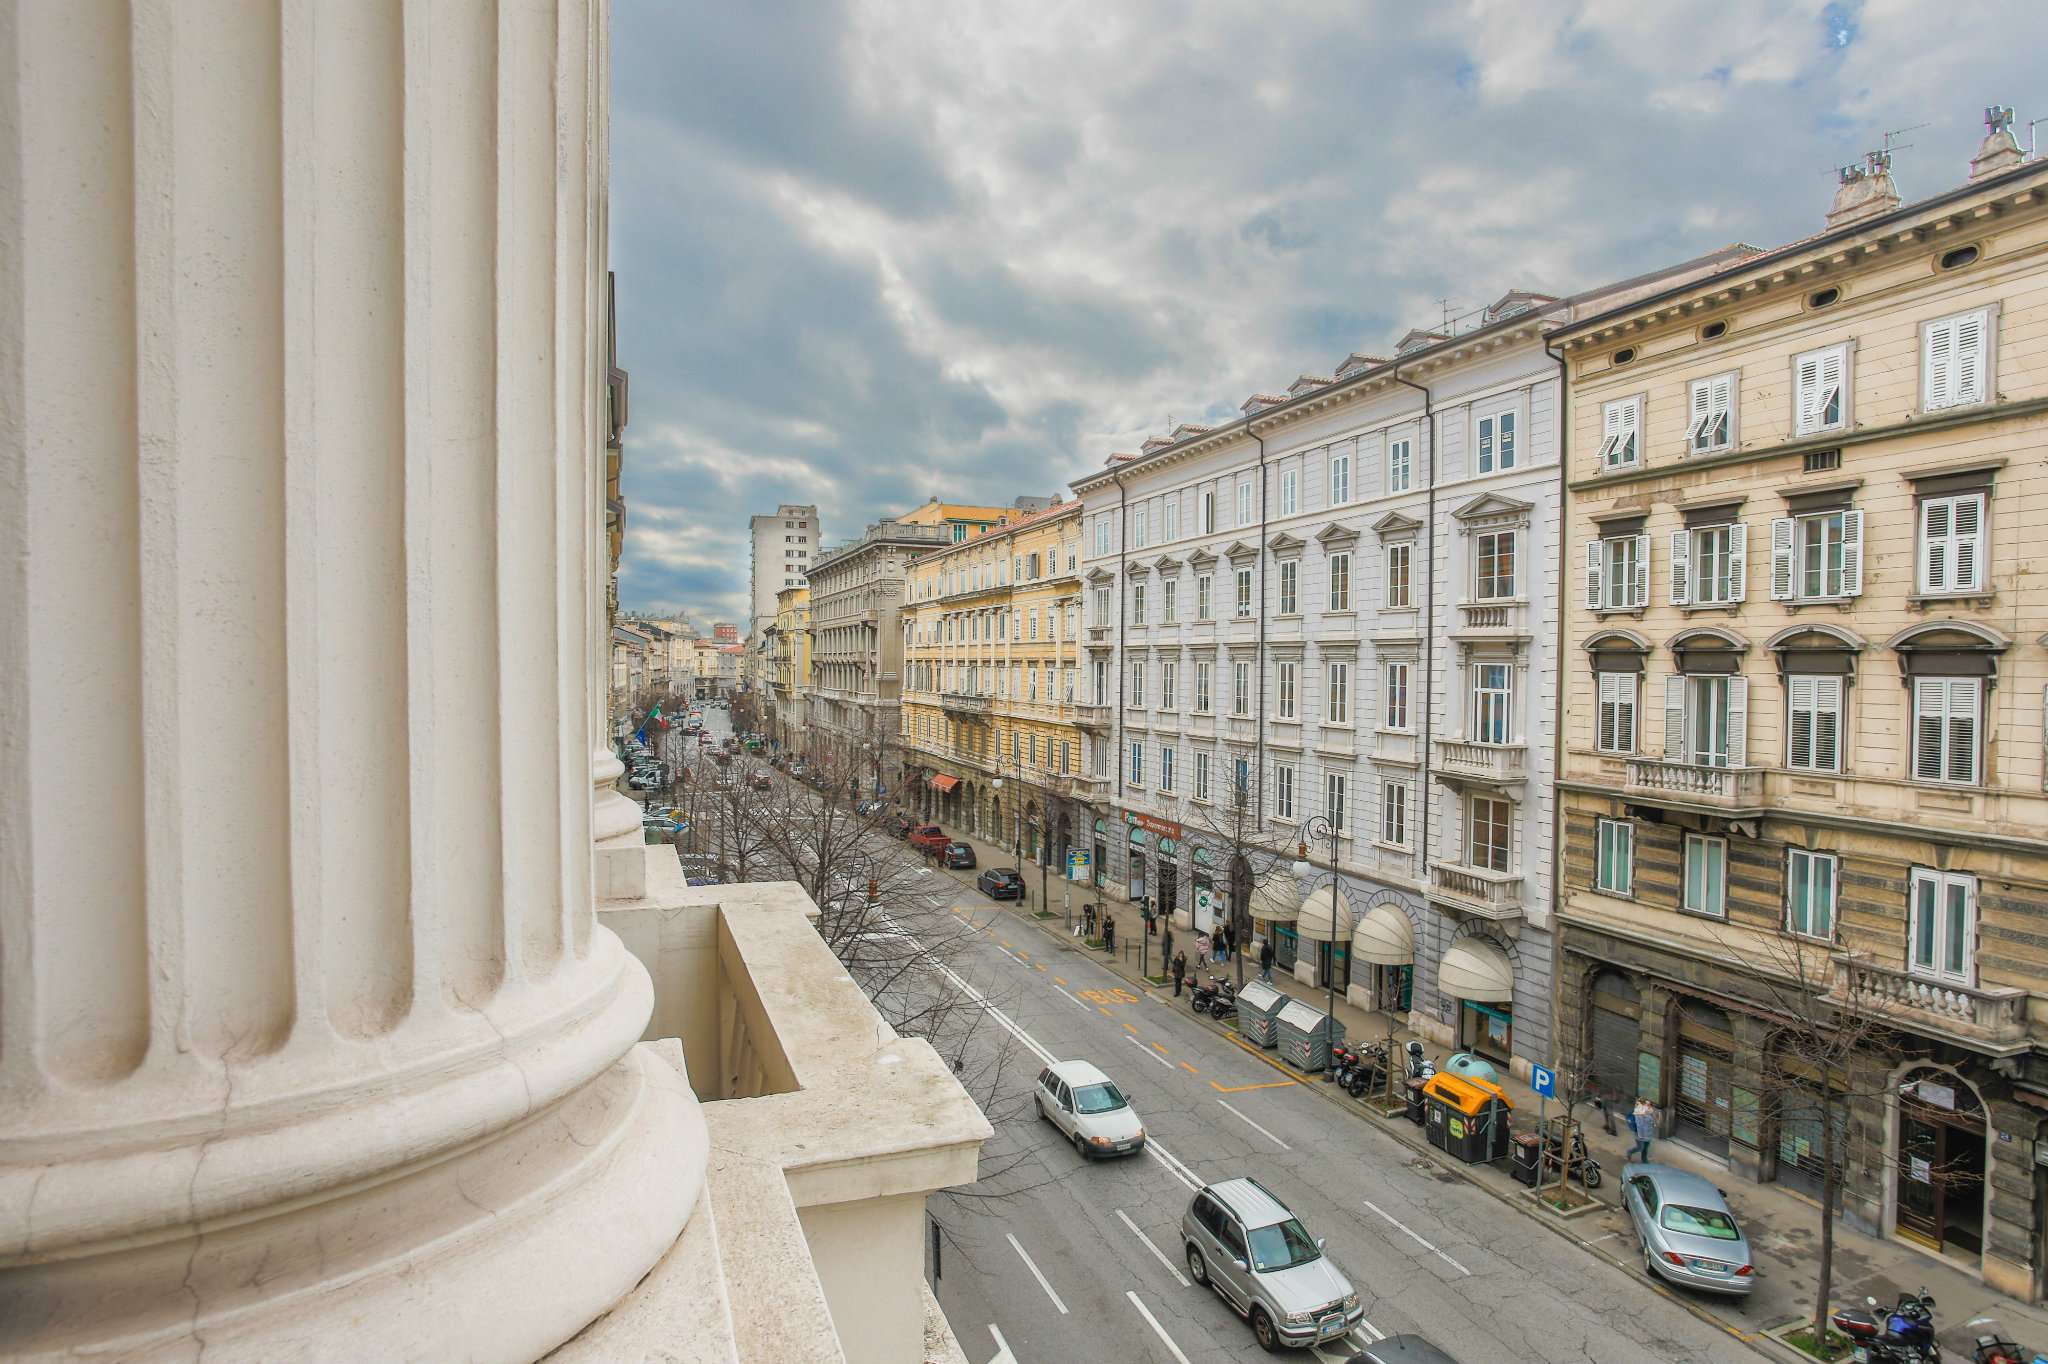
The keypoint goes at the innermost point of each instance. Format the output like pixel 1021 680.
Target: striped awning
pixel 1384 937
pixel 1273 899
pixel 1318 921
pixel 1476 969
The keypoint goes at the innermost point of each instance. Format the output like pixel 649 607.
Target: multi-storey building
pixel 1803 704
pixel 783 545
pixel 991 647
pixel 964 523
pixel 788 662
pixel 856 637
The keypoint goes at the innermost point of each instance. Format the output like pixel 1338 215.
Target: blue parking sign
pixel 1543 1081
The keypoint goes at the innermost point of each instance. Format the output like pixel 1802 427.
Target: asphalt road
pixel 1050 1259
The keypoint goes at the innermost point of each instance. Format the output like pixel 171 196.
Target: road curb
pixel 1757 1341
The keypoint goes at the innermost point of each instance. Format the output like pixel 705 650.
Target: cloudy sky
pixel 872 253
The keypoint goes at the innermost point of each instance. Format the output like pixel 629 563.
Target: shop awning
pixel 1384 937
pixel 1318 916
pixel 1273 899
pixel 942 782
pixel 1475 969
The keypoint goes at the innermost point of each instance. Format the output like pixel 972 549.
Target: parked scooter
pixel 1367 1071
pixel 1905 1335
pixel 1200 995
pixel 1582 1166
pixel 1224 1004
pixel 1420 1067
pixel 1995 1348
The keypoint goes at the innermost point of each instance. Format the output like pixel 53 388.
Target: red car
pixel 929 838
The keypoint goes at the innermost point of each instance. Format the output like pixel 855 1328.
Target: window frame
pixel 1244 502
pixel 1480 578
pixel 1399 717
pixel 1241 580
pixel 1613 680
pixel 1290 491
pixel 1340 478
pixel 1240 689
pixel 1495 439
pixel 1492 709
pixel 1942 882
pixel 1809 414
pixel 1949 714
pixel 1791 548
pixel 1703 417
pixel 1290 587
pixel 1394 812
pixel 1811 860
pixel 1614 838
pixel 1205 596
pixel 1932 332
pixel 1205 686
pixel 1337 569
pixel 1201 786
pixel 1717 846
pixel 1621 433
pixel 1404 550
pixel 1283 790
pixel 1505 826
pixel 1951 542
pixel 1287 689
pixel 1827 697
pixel 1337 691
pixel 1400 461
pixel 1336 800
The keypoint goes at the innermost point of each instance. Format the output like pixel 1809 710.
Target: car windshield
pixel 1708 1222
pixel 1102 1098
pixel 1282 1246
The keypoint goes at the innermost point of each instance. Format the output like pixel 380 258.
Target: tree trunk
pixel 1825 1287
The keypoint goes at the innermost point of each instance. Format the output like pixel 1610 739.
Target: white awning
pixel 1475 969
pixel 1384 937
pixel 1273 899
pixel 1318 917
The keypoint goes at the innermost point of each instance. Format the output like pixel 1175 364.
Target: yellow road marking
pixel 1129 1029
pixel 1057 980
pixel 1039 965
pixel 1239 1089
pixel 1006 946
pixel 1155 1046
pixel 1191 1070
pixel 1104 1012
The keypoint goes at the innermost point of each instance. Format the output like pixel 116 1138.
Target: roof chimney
pixel 1865 192
pixel 2001 150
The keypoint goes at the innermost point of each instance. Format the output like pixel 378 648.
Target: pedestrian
pixel 1202 947
pixel 1180 971
pixel 1643 1123
pixel 1266 959
pixel 1223 943
pixel 1109 932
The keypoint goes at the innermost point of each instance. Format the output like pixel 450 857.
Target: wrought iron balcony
pixel 1734 790
pixel 1478 891
pixel 1985 1018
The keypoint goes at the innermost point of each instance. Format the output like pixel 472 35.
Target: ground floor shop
pixel 1941 1148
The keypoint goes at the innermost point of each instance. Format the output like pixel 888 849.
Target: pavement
pixel 1783 1226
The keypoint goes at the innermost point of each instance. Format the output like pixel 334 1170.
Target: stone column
pixel 309 1043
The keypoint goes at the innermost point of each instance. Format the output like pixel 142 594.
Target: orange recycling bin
pixel 1467 1118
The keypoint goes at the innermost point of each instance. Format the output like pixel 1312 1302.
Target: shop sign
pixel 1157 826
pixel 1922 1172
pixel 1206 904
pixel 1077 864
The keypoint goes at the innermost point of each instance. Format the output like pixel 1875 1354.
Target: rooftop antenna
pixel 1445 304
pixel 2030 136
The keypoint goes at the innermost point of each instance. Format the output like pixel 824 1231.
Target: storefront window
pixel 1487 1029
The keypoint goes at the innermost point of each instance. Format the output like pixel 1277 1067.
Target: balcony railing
pixel 1488 762
pixel 965 703
pixel 1478 891
pixel 1722 788
pixel 1093 717
pixel 1993 1017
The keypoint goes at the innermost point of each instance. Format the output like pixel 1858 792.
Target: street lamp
pixel 1320 827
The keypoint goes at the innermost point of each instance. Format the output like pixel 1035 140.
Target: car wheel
pixel 1080 1146
pixel 1198 1268
pixel 1039 1104
pixel 1263 1332
pixel 1650 1263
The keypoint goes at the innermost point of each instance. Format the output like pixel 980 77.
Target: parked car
pixel 959 856
pixel 1241 1240
pixel 930 838
pixel 868 807
pixel 1686 1230
pixel 759 780
pixel 1401 1350
pixel 1085 1105
pixel 1000 883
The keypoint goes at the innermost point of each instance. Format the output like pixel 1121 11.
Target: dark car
pixel 1402 1350
pixel 1000 883
pixel 959 856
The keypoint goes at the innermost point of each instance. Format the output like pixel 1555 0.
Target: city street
pixel 1053 1259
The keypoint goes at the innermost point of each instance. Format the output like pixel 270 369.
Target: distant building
pixel 783 545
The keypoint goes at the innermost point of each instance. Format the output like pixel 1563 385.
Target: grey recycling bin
pixel 1258 1014
pixel 1306 1035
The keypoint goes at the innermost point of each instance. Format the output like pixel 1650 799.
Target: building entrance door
pixel 1617 1037
pixel 1706 1072
pixel 1939 1176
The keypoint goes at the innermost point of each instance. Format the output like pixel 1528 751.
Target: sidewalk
pixel 1783 1227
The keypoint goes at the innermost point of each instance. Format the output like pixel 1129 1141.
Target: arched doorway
pixel 1938 1177
pixel 1702 1098
pixel 994 828
pixel 1031 833
pixel 1065 841
pixel 1614 1037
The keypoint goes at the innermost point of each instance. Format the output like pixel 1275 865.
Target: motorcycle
pixel 1905 1335
pixel 1367 1071
pixel 1224 1005
pixel 1200 996
pixel 1581 1166
pixel 1997 1348
pixel 1420 1067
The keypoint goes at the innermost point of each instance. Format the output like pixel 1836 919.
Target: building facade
pixel 1802 713
pixel 963 522
pixel 857 636
pixel 782 545
pixel 788 665
pixel 991 649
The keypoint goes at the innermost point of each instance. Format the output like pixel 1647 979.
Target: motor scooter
pixel 1200 995
pixel 1420 1067
pixel 1224 1005
pixel 1368 1069
pixel 1905 1335
pixel 1581 1166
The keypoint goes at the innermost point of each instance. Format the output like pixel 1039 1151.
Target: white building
pixel 351 1026
pixel 784 544
pixel 1345 603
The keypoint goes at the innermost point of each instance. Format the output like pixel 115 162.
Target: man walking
pixel 1266 959
pixel 1643 1123
pixel 1180 971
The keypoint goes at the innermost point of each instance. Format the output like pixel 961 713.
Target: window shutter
pixel 1631 425
pixel 1594 561
pixel 1782 529
pixel 1964 695
pixel 1674 718
pixel 1930 706
pixel 1852 553
pixel 1827 723
pixel 1608 712
pixel 1799 733
pixel 1738 722
pixel 1738 562
pixel 1806 388
pixel 1935 517
pixel 1940 361
pixel 1702 408
pixel 1722 401
pixel 1831 382
pixel 1967 556
pixel 1681 584
pixel 1639 591
pixel 1970 338
pixel 1610 423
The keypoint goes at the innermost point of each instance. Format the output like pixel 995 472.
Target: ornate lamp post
pixel 1319 827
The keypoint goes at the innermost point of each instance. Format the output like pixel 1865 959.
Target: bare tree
pixel 1572 1063
pixel 1253 855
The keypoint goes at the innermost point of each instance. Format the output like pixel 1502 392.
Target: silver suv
pixel 1243 1241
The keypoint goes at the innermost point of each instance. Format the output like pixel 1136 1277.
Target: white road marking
pixel 1002 1354
pixel 1028 1264
pixel 1255 1127
pixel 1410 1233
pixel 1173 1166
pixel 1178 1277
pixel 1157 1329
pixel 1147 1049
pixel 1084 1008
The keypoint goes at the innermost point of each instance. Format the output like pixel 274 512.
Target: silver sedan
pixel 1687 1233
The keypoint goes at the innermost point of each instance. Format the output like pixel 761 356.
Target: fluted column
pixel 309 1045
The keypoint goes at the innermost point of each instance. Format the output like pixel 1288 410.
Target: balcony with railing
pixel 965 703
pixel 1478 891
pixel 1730 790
pixel 1093 717
pixel 1503 764
pixel 1986 1018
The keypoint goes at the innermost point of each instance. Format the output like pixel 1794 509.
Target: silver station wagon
pixel 1244 1242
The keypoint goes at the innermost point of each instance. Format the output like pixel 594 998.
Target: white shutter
pixel 1701 414
pixel 1831 392
pixel 1595 561
pixel 1625 712
pixel 1782 531
pixel 1674 718
pixel 1639 591
pixel 1971 336
pixel 1935 517
pixel 1722 401
pixel 1930 731
pixel 1631 434
pixel 1799 730
pixel 1806 391
pixel 1609 712
pixel 1738 722
pixel 1965 695
pixel 1738 562
pixel 1681 583
pixel 1940 364
pixel 1967 558
pixel 1827 723
pixel 1852 553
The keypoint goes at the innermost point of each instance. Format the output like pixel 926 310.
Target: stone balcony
pixel 1497 764
pixel 966 703
pixel 1983 1018
pixel 1723 790
pixel 1074 786
pixel 827 1131
pixel 1476 891
pixel 1098 718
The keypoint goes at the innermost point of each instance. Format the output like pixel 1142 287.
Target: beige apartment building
pixel 1802 716
pixel 991 647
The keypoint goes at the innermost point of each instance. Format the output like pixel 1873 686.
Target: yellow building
pixel 991 647
pixel 789 659
pixel 967 523
pixel 1802 707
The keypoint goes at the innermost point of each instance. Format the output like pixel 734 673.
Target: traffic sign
pixel 1543 1081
